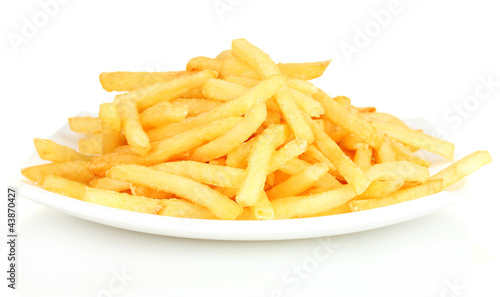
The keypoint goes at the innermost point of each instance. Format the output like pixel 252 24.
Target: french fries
pixel 241 137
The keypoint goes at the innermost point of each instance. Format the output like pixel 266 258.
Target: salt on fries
pixel 241 137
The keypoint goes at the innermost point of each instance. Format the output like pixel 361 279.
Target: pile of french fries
pixel 240 137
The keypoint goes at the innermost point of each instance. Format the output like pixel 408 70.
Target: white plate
pixel 230 230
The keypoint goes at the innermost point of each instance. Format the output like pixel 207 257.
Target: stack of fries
pixel 241 137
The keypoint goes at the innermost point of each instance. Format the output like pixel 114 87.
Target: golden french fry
pixel 258 164
pixel 139 190
pixel 64 186
pixel 354 176
pixel 263 209
pixel 216 175
pixel 403 153
pixel 238 134
pixel 300 206
pixel 222 90
pixel 52 151
pixel 416 138
pixel 462 168
pixel 305 71
pixel 298 183
pixel 316 154
pixel 183 208
pixel 307 104
pixel 295 166
pixel 106 183
pixel 90 146
pixel 289 151
pixel 302 86
pixel 293 115
pixel 132 127
pixel 73 170
pixel 381 188
pixel 122 201
pixel 244 81
pixel 110 123
pixel 196 105
pixel 218 204
pixel 363 157
pixel 182 143
pixel 255 58
pixel 385 153
pixel 238 106
pixel 163 113
pixel 233 66
pixel 203 63
pixel 163 91
pixel 84 124
pixel 238 157
pixel 345 118
pixel 128 81
pixel 404 170
pixel 425 189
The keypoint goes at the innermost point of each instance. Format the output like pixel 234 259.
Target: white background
pixel 425 60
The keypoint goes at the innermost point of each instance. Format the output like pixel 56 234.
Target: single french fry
pixel 381 188
pixel 51 151
pixel 203 63
pixel 132 127
pixel 344 208
pixel 258 164
pixel 84 124
pixel 224 55
pixel 122 201
pixel 73 170
pixel 90 146
pixel 110 123
pixel 128 81
pixel 293 115
pixel 307 104
pixel 403 153
pixel 425 189
pixel 254 57
pixel 363 157
pixel 345 118
pixel 295 166
pixel 462 168
pixel 385 153
pixel 182 143
pixel 139 190
pixel 238 106
pixel 289 151
pixel 404 170
pixel 416 138
pixel 197 106
pixel 302 86
pixel 238 134
pixel 222 90
pixel 106 183
pixel 183 208
pixel 218 204
pixel 263 209
pixel 164 91
pixel 216 175
pixel 163 113
pixel 298 183
pixel 305 71
pixel 101 164
pixel 300 206
pixel 238 157
pixel 316 154
pixel 64 186
pixel 233 66
pixel 354 176
pixel 244 81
